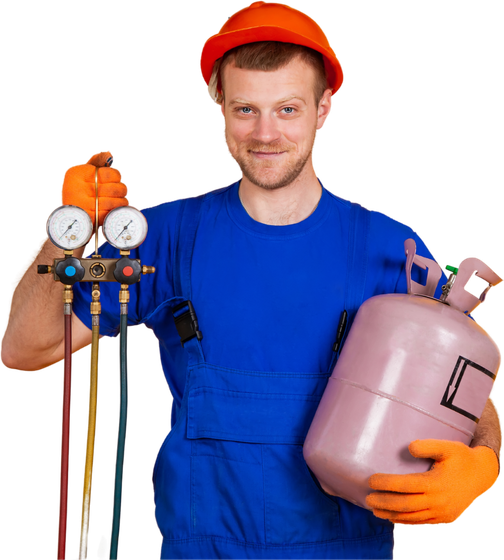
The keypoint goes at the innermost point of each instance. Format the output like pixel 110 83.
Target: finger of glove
pixel 436 449
pixel 86 173
pixel 101 160
pixel 414 518
pixel 392 501
pixel 415 483
pixel 88 190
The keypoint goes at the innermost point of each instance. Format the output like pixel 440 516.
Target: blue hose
pixel 121 438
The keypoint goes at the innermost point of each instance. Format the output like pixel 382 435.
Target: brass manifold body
pixel 70 270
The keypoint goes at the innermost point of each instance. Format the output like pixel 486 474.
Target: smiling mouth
pixel 266 154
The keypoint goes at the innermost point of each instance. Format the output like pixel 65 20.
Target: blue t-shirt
pixel 268 298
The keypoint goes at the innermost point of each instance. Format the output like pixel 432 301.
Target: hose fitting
pixel 95 303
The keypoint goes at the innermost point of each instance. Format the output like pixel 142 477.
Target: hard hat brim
pixel 219 44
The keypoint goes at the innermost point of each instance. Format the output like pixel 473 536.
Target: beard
pixel 269 174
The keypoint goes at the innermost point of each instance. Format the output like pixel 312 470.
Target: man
pixel 266 270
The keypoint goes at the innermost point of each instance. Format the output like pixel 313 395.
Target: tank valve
pixel 449 285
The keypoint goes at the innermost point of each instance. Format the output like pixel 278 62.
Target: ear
pixel 324 108
pixel 222 107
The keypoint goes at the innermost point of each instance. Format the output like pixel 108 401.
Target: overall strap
pixel 357 257
pixel 358 235
pixel 184 314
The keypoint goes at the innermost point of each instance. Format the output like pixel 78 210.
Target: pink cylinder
pixel 411 368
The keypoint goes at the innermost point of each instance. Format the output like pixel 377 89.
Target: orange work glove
pixel 458 476
pixel 79 187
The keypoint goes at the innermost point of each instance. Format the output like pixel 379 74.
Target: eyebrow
pixel 239 101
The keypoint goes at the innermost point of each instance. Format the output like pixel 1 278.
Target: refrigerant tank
pixel 412 367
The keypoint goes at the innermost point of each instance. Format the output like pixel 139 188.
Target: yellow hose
pixel 88 472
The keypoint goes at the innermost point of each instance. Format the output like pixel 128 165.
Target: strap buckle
pixel 186 322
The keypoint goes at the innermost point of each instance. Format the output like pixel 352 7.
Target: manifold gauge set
pixel 70 227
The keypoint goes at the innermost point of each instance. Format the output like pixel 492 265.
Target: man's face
pixel 271 120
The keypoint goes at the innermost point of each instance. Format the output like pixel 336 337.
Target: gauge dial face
pixel 69 227
pixel 125 227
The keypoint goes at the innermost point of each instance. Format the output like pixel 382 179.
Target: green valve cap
pixel 452 269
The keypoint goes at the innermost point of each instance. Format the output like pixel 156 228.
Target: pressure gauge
pixel 125 227
pixel 69 227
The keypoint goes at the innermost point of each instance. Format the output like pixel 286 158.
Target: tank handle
pixel 434 271
pixel 461 299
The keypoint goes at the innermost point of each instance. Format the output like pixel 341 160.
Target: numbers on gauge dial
pixel 69 227
pixel 125 227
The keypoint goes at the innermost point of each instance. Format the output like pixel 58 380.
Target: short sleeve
pixel 387 258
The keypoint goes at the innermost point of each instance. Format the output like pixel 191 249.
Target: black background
pixel 411 134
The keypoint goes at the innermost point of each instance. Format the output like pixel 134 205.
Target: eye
pixel 246 110
pixel 289 111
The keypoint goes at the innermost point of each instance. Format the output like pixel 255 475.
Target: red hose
pixel 65 438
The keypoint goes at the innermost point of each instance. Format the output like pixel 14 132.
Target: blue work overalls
pixel 230 479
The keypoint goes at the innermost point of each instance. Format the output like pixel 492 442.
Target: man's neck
pixel 283 206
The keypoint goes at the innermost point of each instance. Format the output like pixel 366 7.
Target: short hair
pixel 268 56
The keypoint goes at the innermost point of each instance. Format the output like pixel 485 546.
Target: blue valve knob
pixel 70 271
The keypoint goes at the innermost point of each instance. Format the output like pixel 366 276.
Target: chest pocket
pixel 249 480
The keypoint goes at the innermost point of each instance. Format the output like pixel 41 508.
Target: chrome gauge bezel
pixel 85 227
pixel 139 222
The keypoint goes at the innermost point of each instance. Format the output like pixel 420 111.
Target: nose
pixel 266 129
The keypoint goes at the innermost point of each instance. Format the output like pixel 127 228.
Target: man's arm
pixel 34 337
pixel 488 430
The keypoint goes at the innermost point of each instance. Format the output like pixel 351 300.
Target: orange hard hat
pixel 263 21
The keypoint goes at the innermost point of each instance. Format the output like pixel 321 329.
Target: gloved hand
pixel 79 187
pixel 458 476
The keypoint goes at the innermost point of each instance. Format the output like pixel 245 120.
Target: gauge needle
pixel 124 228
pixel 69 227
